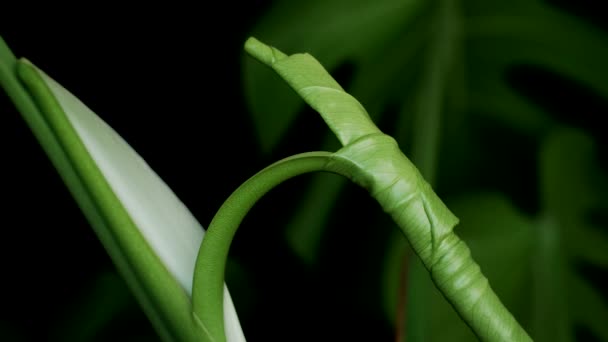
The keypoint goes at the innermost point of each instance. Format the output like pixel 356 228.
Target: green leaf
pixel 317 27
pixel 571 188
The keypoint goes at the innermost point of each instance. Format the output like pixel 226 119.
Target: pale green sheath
pixel 147 231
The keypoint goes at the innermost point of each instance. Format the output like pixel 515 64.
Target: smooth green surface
pixel 163 299
pixel 106 177
pixel 50 143
pixel 211 262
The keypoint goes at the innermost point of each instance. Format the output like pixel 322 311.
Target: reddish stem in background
pixel 401 312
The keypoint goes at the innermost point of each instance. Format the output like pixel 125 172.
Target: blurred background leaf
pixel 100 311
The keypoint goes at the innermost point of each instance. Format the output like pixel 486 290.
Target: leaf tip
pixel 262 52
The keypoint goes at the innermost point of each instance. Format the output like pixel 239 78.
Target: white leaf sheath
pixel 164 221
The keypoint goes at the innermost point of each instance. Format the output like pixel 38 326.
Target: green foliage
pixel 374 161
pixel 444 68
pixel 438 76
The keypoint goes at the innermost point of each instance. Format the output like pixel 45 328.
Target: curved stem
pixel 208 283
pixel 404 195
pixel 374 161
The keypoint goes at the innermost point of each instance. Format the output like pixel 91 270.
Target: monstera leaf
pixel 573 186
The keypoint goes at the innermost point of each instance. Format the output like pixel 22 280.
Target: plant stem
pixel 374 161
pixel 401 316
pixel 208 290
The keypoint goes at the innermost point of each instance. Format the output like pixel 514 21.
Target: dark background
pixel 168 79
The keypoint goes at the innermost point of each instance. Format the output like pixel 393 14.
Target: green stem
pixel 208 288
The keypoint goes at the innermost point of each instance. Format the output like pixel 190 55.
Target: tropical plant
pixel 152 238
pixel 456 83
